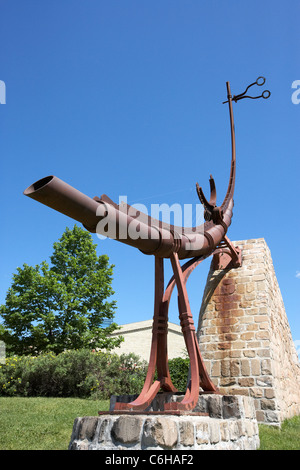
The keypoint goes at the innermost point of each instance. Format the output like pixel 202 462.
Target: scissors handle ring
pixel 260 81
pixel 266 94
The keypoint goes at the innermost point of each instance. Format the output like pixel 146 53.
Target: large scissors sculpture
pixel 162 241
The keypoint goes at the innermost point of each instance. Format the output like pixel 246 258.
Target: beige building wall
pixel 245 338
pixel 138 336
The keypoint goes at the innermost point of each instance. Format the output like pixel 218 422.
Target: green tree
pixel 64 305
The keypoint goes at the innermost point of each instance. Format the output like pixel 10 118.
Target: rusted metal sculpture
pixel 162 241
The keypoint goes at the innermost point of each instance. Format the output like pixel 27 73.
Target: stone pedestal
pixel 218 422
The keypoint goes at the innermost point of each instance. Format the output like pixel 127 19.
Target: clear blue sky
pixel 125 98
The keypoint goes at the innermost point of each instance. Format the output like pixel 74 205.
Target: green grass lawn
pixel 42 423
pixel 46 424
pixel 285 438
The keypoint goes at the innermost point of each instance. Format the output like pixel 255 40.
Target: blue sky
pixel 125 98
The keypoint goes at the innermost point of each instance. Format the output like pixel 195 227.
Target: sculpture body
pixel 162 241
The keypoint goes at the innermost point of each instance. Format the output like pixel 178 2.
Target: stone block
pixel 214 431
pixel 215 406
pixel 160 432
pixel 87 428
pixel 202 433
pixel 215 369
pixel 245 367
pixel 255 367
pixel 249 408
pixel 187 433
pixel 256 392
pixel 249 353
pixel 264 381
pixel 103 430
pixel 233 430
pixel 225 368
pixel 234 368
pixel 202 404
pixel 267 404
pixel 266 367
pixel 272 417
pixel 250 431
pixel 231 407
pixel 269 393
pixel 246 381
pixel 127 429
pixel 224 431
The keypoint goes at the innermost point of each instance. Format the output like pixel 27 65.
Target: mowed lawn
pixel 287 437
pixel 47 423
pixel 42 423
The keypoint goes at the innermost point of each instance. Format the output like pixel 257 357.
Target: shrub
pixel 81 373
pixel 179 369
pixel 77 373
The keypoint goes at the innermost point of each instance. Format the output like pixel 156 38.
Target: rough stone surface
pixel 168 432
pixel 245 338
pixel 127 429
pixel 161 431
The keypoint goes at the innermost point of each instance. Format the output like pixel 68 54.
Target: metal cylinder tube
pixel 142 232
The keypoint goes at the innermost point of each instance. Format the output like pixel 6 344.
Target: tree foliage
pixel 63 305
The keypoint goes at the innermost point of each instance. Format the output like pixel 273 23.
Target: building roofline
pixel 144 325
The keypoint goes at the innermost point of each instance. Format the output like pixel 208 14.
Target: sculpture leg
pixel 158 354
pixel 160 329
pixel 199 374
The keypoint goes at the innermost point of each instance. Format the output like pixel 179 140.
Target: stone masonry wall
pixel 245 338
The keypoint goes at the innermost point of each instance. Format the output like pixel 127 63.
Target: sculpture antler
pixel 211 204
